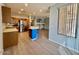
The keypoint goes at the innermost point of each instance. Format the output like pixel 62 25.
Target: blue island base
pixel 34 34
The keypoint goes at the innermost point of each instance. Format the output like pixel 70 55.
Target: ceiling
pixel 31 9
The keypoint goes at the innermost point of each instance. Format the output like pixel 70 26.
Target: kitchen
pixel 14 24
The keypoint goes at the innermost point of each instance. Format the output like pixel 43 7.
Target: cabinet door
pixel 6 14
pixel 10 39
pixel 6 40
pixel 14 40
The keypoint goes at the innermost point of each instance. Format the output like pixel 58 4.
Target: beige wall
pixel 1 41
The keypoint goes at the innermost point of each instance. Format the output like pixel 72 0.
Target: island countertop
pixel 10 30
pixel 34 27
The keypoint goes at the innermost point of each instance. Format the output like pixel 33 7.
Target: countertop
pixel 10 29
pixel 34 27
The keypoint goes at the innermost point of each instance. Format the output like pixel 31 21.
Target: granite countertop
pixel 10 30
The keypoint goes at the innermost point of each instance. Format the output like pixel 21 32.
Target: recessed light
pixel 22 9
pixel 40 10
pixel 19 12
pixel 26 4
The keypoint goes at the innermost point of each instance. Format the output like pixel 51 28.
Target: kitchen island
pixel 10 37
pixel 34 32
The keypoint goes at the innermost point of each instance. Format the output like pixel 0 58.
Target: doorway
pixel 43 24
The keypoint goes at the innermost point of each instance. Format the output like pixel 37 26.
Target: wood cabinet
pixel 10 39
pixel 6 14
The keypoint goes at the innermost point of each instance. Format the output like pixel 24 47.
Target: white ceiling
pixel 30 9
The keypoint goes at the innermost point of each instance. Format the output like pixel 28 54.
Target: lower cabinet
pixel 10 39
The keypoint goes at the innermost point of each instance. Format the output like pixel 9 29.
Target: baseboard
pixel 1 51
pixel 65 46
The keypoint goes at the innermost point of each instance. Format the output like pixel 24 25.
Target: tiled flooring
pixel 42 46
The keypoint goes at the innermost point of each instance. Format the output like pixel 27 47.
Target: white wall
pixel 1 36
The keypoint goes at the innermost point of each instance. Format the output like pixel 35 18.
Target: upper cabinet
pixel 6 14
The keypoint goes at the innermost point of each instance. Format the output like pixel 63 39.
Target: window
pixel 67 20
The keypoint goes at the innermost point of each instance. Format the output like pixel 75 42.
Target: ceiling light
pixel 22 9
pixel 40 10
pixel 26 4
pixel 19 12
